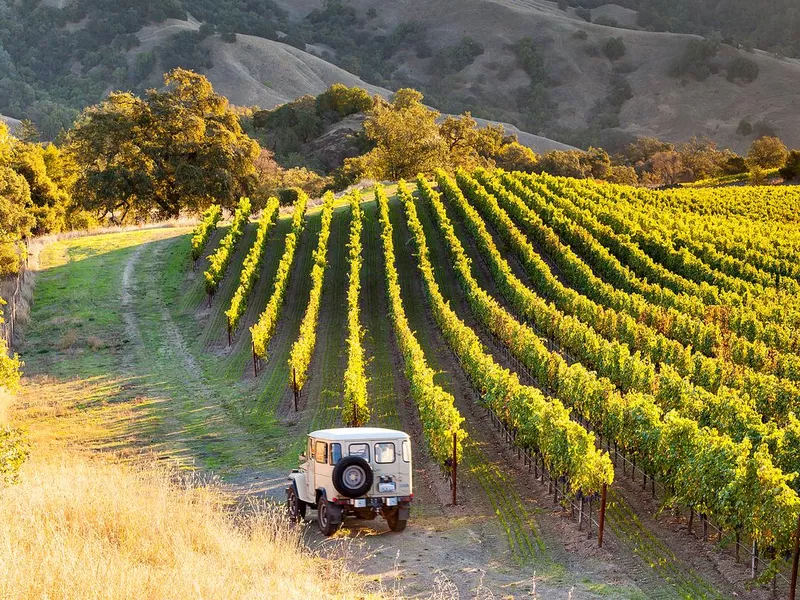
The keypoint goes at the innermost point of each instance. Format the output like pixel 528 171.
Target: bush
pixel 695 60
pixel 623 175
pixel 742 68
pixel 614 48
pixel 453 59
pixel 767 153
pixel 580 34
pixel 745 128
pixel 791 169
pixel 607 21
pixel 13 453
pixel 734 165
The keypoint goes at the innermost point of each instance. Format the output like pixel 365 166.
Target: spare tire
pixel 352 476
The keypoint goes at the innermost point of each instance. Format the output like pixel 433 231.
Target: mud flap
pixel 403 512
pixel 335 513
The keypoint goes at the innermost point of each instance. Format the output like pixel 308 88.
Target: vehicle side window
pixel 336 453
pixel 384 453
pixel 406 451
pixel 361 450
pixel 321 453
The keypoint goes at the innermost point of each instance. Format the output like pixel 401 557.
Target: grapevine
pixel 202 233
pixel 219 260
pixel 252 264
pixel 264 328
pixel 355 409
pixel 303 348
pixel 437 411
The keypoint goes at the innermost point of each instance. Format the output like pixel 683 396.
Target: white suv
pixel 359 471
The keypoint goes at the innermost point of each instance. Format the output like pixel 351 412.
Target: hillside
pixel 253 71
pixel 579 77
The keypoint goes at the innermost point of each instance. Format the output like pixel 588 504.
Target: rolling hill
pixel 581 76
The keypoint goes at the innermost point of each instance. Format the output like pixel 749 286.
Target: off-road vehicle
pixel 358 471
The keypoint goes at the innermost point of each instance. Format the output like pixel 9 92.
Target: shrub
pixel 614 48
pixel 695 60
pixel 580 34
pixel 745 128
pixel 607 21
pixel 767 153
pixel 623 175
pixel 791 169
pixel 742 68
pixel 453 59
pixel 13 453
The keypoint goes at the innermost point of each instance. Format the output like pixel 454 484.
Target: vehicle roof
pixel 358 433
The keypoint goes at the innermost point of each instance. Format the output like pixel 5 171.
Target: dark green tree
pixel 175 150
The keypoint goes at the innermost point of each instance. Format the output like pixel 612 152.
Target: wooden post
pixel 589 534
pixel 754 561
pixel 602 524
pixel 691 519
pixel 738 543
pixel 355 415
pixel 294 386
pixel 455 467
pixel 704 521
pixel 795 562
pixel 580 514
pixel 255 361
pixel 229 331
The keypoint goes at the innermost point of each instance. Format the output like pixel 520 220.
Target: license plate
pixel 360 502
pixel 386 487
pixel 391 502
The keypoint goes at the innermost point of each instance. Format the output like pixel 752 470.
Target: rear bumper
pixel 375 502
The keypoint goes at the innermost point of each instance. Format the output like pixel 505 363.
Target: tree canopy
pixel 178 149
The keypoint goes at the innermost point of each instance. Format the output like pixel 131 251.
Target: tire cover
pixel 352 476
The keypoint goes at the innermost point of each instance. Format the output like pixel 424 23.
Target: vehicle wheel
pixel 395 524
pixel 352 477
pixel 294 506
pixel 323 519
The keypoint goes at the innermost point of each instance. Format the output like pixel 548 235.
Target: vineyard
pixel 610 333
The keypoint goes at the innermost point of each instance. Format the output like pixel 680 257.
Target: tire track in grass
pixel 195 424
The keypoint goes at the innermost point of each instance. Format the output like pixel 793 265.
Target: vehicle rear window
pixel 336 453
pixel 384 452
pixel 406 451
pixel 361 450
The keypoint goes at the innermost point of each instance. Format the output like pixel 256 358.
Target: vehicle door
pixel 308 467
pixel 323 469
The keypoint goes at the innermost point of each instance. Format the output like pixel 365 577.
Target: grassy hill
pixel 579 78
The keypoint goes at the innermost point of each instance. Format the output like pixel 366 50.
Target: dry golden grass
pixel 77 528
